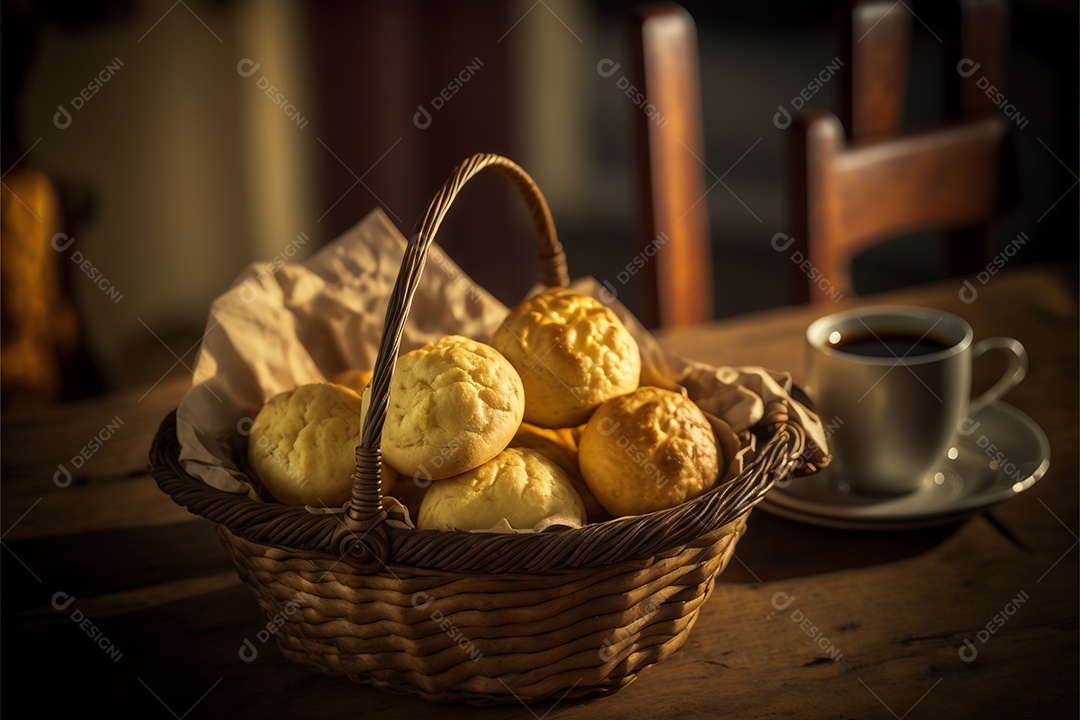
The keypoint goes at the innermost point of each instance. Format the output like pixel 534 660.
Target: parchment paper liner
pixel 283 325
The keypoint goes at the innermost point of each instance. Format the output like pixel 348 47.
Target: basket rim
pixel 392 569
pixel 593 545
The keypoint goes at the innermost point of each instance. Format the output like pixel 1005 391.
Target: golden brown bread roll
pixel 303 442
pixel 519 484
pixel 453 405
pixel 572 352
pixel 561 446
pixel 647 451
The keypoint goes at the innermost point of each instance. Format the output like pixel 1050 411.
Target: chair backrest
pixel 673 222
pixel 863 180
pixel 847 196
pixel 875 51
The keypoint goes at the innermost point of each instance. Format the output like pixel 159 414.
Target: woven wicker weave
pixel 478 617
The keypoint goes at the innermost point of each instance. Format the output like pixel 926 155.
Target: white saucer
pixel 1004 454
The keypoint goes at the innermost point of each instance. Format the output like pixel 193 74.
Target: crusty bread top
pixel 302 444
pixel 519 484
pixel 646 451
pixel 572 352
pixel 454 404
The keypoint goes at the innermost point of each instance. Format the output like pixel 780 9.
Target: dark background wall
pixel 192 171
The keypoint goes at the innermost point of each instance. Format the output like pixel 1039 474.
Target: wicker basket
pixel 480 618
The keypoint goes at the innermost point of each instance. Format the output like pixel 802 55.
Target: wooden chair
pixel 673 222
pixel 850 190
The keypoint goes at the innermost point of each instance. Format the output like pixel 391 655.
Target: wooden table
pixel 153 615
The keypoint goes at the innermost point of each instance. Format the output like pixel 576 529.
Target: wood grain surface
pixel 116 601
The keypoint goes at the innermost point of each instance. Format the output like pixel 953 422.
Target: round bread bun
pixel 454 404
pixel 561 446
pixel 646 451
pixel 355 380
pixel 303 442
pixel 572 352
pixel 520 485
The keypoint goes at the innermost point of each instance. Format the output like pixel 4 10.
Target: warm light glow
pixel 834 337
pixel 953 453
pixel 939 478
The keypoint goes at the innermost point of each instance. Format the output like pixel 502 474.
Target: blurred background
pixel 185 140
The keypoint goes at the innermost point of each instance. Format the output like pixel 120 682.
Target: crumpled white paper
pixel 282 325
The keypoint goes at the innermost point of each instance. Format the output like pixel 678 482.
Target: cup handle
pixel 1014 373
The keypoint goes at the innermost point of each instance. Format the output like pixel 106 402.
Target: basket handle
pixel 362 532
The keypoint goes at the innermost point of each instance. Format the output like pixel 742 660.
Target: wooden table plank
pixel 875 625
pixel 101 438
pixel 752 658
pixel 132 502
pixel 108 561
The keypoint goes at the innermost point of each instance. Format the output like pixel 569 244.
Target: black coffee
pixel 888 344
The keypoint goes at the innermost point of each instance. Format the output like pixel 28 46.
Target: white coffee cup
pixel 895 405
